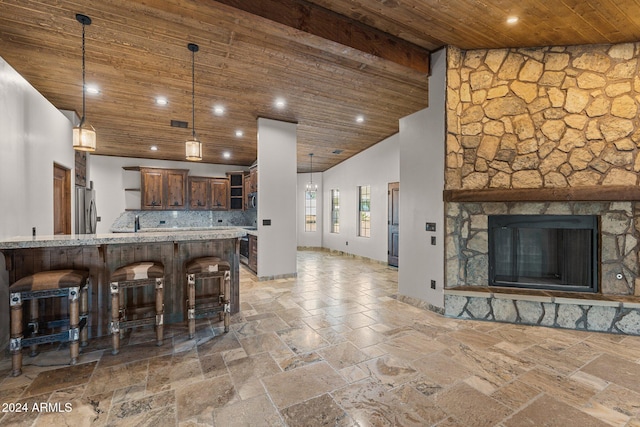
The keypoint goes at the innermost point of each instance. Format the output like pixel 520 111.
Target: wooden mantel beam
pixel 593 194
pixel 329 25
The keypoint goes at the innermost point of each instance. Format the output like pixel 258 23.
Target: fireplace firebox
pixel 554 252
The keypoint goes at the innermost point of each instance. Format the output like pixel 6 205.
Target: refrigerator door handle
pixel 93 217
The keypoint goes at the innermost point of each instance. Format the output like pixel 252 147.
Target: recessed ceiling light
pixel 280 103
pixel 226 154
pixel 512 20
pixel 153 148
pixel 239 133
pixel 360 119
pixel 93 90
pixel 218 110
pixel 161 100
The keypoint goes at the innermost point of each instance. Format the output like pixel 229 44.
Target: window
pixel 364 211
pixel 309 211
pixel 335 211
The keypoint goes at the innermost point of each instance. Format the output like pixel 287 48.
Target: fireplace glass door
pixel 557 252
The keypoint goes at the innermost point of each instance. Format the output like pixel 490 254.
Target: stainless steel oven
pixel 244 249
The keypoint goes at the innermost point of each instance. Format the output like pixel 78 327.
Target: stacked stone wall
pixel 543 118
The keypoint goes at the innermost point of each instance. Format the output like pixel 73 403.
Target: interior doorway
pixel 393 220
pixel 61 200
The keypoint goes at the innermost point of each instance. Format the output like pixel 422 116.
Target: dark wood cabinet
pixel 199 193
pixel 220 194
pixel 250 187
pixel 81 168
pixel 253 179
pixel 207 193
pixel 176 189
pixel 163 189
pixel 253 253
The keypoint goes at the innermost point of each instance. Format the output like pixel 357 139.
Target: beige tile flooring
pixel 333 347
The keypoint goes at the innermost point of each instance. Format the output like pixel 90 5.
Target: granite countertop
pixel 159 235
pixel 246 229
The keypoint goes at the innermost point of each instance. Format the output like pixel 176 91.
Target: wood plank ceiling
pixel 331 60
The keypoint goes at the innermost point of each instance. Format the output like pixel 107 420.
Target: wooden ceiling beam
pixel 321 22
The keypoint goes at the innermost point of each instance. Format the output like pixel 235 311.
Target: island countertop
pixel 167 235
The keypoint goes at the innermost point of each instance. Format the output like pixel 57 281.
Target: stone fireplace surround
pixel 544 130
pixel 615 308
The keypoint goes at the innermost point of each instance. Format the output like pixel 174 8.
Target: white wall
pixel 310 239
pixel 422 152
pixel 377 166
pixel 110 180
pixel 276 198
pixel 33 135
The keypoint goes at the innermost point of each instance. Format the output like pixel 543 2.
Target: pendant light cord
pixel 83 81
pixel 193 91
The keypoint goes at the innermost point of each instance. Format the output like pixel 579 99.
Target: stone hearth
pixel 615 308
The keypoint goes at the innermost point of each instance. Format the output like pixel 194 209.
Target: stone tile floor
pixel 333 347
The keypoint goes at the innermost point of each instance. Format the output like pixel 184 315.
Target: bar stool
pixel 48 284
pixel 133 276
pixel 204 268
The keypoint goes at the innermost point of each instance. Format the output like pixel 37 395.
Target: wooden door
pixel 394 222
pixel 176 189
pixel 199 193
pixel 220 194
pixel 61 200
pixel 152 188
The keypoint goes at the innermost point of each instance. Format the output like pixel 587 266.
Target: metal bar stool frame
pixel 118 309
pixel 222 272
pixel 76 334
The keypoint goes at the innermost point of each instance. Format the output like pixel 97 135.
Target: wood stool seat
pixel 205 268
pixel 135 275
pixel 48 284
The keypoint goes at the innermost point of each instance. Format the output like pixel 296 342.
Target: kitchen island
pixel 102 254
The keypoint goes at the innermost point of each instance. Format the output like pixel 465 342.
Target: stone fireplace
pixel 551 132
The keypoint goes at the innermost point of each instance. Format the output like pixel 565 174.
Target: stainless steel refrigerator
pixel 86 213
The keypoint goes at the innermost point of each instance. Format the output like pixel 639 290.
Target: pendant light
pixel 311 186
pixel 84 135
pixel 193 147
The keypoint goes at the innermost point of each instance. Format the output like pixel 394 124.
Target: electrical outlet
pixel 433 240
pixel 347 243
pixel 433 284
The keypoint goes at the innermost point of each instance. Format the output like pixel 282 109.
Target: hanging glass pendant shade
pixel 193 147
pixel 310 185
pixel 84 135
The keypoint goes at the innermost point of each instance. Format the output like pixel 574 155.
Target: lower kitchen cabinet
pixel 253 253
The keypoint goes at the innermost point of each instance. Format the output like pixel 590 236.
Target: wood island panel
pixel 102 260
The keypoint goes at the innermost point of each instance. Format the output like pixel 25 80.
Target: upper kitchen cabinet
pixel 250 187
pixel 163 189
pixel 220 194
pixel 199 193
pixel 81 168
pixel 253 179
pixel 208 193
